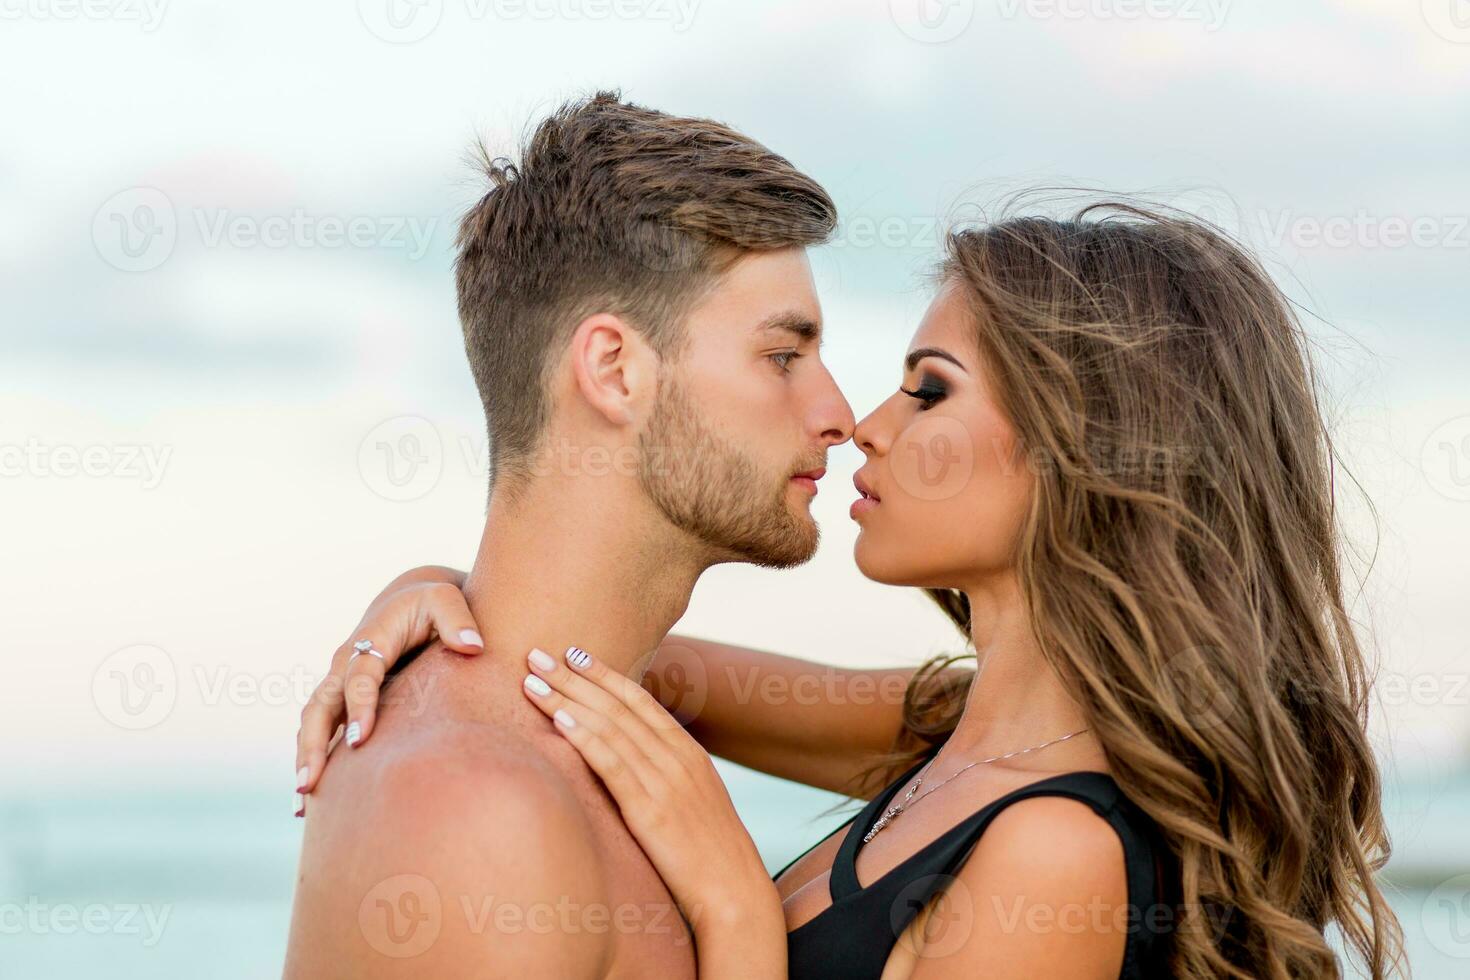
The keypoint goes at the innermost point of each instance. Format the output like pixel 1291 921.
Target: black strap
pixel 825 838
pixel 843 879
pixel 857 932
pixel 947 851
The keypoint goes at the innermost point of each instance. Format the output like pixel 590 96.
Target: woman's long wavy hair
pixel 1180 563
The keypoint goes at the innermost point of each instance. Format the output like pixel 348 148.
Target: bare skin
pixel 497 822
pixel 465 763
pixel 1048 854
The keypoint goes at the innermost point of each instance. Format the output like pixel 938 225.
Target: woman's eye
pixel 928 393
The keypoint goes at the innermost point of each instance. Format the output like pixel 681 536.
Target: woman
pixel 1163 748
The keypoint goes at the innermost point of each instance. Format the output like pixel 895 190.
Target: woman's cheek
pixel 961 492
pixel 933 459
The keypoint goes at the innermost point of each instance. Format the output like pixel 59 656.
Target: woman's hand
pixel 410 612
pixel 675 804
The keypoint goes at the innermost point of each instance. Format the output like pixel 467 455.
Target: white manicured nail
pixel 537 686
pixel 541 659
pixel 302 775
pixel 564 719
pixel 578 657
pixel 470 638
pixel 354 734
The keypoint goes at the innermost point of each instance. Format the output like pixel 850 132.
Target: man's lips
pixel 808 480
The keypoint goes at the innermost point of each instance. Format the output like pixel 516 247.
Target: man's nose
pixel 832 413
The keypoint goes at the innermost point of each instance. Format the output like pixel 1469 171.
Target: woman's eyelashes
pixel 930 391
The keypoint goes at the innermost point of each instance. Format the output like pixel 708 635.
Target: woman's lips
pixel 866 501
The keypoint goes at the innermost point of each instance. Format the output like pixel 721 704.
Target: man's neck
pixel 566 563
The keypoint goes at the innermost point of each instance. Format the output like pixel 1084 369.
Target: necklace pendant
pixel 882 822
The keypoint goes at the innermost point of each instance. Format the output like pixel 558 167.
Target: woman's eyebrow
pixel 919 353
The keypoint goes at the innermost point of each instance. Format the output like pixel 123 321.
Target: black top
pixel 852 938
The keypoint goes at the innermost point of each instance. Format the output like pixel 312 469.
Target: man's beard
pixel 715 492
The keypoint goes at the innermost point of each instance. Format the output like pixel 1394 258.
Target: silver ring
pixel 364 646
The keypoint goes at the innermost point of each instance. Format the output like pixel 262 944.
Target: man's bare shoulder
pixel 465 775
pixel 434 852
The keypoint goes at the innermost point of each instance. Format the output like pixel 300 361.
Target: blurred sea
pixel 196 880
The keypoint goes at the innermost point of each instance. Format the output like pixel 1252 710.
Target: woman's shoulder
pixel 1047 882
pixel 1048 828
pixel 1067 821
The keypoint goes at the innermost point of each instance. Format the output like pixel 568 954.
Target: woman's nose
pixel 867 434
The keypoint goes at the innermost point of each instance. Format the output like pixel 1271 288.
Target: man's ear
pixel 613 367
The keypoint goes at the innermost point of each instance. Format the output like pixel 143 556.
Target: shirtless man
pixel 640 318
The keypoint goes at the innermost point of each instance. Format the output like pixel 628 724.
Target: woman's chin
pixel 885 566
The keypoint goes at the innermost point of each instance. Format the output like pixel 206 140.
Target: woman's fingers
pixel 402 619
pixel 632 696
pixel 324 711
pixel 448 614
pixel 363 687
pixel 415 614
pixel 575 685
pixel 609 748
pixel 409 619
pixel 607 752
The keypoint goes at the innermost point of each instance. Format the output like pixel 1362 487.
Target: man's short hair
pixel 611 208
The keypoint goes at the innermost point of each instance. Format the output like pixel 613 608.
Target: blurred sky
pixel 233 400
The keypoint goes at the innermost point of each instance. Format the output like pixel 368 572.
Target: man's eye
pixel 784 358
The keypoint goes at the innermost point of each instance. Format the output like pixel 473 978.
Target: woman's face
pixel 944 488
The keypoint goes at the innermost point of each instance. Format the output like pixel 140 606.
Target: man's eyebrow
pixel 792 322
pixel 919 353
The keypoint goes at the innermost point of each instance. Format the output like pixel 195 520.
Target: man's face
pixel 746 414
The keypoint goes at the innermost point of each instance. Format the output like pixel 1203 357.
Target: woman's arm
pixel 815 724
pixel 1044 893
pixel 819 725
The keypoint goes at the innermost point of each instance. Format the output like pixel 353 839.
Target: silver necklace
pixel 895 811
